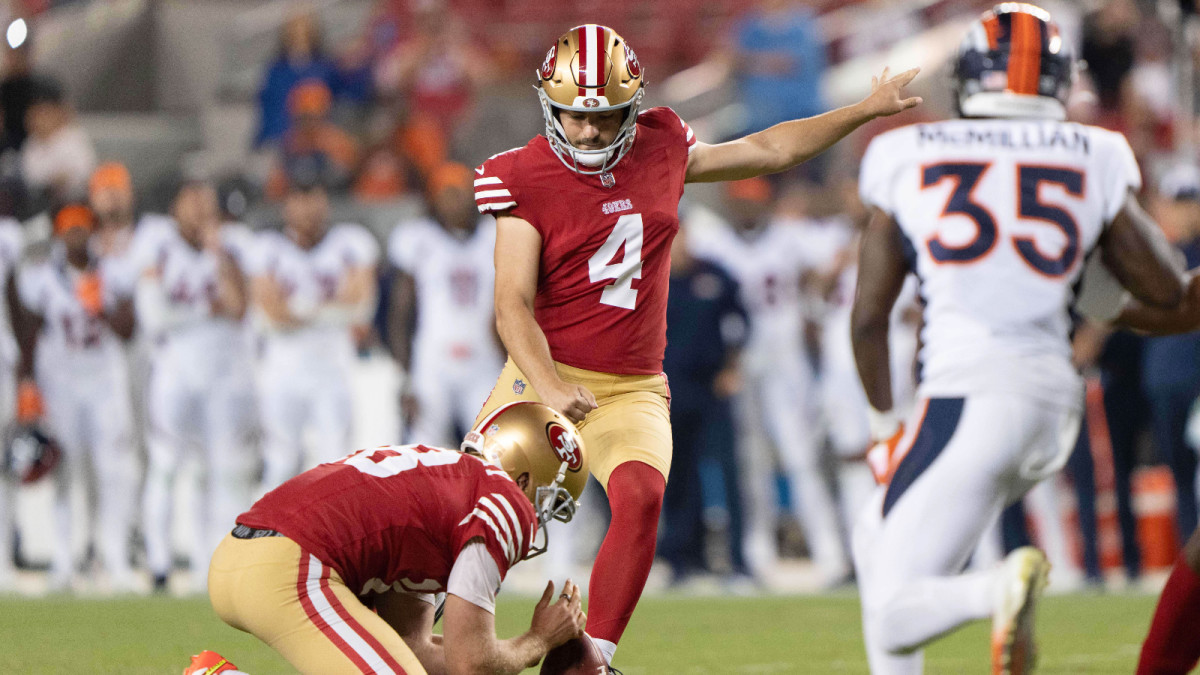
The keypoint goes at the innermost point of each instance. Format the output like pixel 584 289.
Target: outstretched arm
pixel 789 143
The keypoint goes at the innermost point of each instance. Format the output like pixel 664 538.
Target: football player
pixel 441 319
pixel 337 568
pixel 191 298
pixel 12 244
pixel 81 313
pixel 313 282
pixel 585 216
pixel 767 256
pixel 995 214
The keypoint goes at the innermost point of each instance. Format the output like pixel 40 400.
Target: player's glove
pixel 29 402
pixel 886 432
pixel 90 292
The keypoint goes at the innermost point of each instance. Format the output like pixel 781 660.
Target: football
pixel 579 656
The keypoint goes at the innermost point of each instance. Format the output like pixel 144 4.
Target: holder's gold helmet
pixel 542 451
pixel 590 69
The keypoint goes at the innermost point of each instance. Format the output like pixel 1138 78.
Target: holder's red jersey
pixel 397 517
pixel 605 262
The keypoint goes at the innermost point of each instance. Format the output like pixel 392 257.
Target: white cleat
pixel 1022 580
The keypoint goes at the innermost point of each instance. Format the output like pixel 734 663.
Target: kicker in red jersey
pixel 405 512
pixel 602 286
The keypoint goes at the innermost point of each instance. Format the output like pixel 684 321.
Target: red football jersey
pixel 399 515
pixel 606 251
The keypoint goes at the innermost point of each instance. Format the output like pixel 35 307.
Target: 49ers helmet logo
pixel 547 68
pixel 565 447
pixel 631 62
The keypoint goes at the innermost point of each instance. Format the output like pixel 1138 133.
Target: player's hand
pixel 886 432
pixel 89 290
pixel 563 620
pixel 886 96
pixel 574 401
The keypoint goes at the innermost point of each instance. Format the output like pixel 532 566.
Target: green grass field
pixel 669 635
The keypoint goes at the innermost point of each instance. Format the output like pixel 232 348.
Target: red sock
pixel 635 494
pixel 1173 645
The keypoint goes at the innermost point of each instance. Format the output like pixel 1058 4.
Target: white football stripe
pixel 490 180
pixel 330 615
pixel 506 543
pixel 489 194
pixel 504 522
pixel 512 514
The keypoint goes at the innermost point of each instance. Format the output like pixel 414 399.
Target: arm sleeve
pixel 361 248
pixel 475 577
pixel 402 247
pixel 29 289
pixel 876 177
pixel 1119 174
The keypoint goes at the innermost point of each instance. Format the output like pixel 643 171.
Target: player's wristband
pixel 883 425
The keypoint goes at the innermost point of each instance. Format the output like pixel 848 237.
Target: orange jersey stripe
pixel 1025 54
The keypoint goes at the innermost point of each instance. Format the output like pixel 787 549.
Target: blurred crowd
pixel 144 342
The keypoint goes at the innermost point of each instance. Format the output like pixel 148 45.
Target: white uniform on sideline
pixel 998 216
pixel 80 366
pixel 777 404
pixel 201 402
pixel 305 371
pixel 456 357
pixel 12 243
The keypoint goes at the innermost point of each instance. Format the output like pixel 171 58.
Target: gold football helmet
pixel 590 69
pixel 542 451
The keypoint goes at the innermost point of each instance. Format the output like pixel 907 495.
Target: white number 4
pixel 620 293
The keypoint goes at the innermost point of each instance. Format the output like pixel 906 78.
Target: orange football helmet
pixel 542 451
pixel 590 69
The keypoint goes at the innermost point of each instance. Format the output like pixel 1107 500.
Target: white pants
pixel 968 459
pixel 295 399
pixel 211 422
pixel 8 484
pixel 449 395
pixel 777 408
pixel 91 417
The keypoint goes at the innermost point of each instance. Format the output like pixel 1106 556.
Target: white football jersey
pixel 189 282
pixel 314 275
pixel 71 340
pixel 998 218
pixel 767 264
pixel 454 282
pixel 12 244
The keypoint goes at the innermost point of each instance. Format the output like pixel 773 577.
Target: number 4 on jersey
pixel 627 233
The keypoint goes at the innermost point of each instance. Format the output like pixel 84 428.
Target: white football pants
pixel 968 458
pixel 299 398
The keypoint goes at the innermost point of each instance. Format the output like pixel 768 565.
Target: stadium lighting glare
pixel 16 34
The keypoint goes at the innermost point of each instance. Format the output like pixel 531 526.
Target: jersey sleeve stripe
pixel 490 180
pixel 496 206
pixel 505 524
pixel 505 542
pixel 490 194
pixel 512 516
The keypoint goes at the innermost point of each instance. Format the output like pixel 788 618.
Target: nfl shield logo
pixel 607 180
pixel 518 387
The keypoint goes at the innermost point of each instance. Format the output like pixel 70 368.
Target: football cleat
pixel 1014 63
pixel 1023 578
pixel 542 451
pixel 210 663
pixel 590 69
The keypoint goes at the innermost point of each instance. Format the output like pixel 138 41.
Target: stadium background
pixel 171 88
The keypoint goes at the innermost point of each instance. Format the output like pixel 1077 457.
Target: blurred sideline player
pixel 191 298
pixel 337 568
pixel 313 283
pixel 777 405
pixel 585 218
pixel 995 214
pixel 12 244
pixel 442 321
pixel 80 314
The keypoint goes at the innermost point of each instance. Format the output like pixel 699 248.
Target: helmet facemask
pixel 552 502
pixel 590 162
